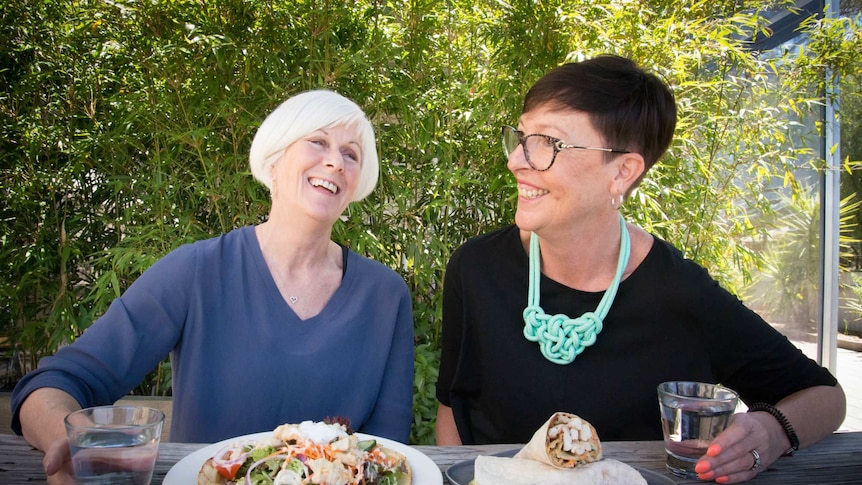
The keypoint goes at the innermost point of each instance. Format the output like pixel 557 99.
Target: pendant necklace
pixel 293 299
pixel 560 337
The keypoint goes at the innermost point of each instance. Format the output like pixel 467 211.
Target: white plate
pixel 185 472
pixel 461 473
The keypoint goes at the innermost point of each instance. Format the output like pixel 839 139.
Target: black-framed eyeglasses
pixel 540 151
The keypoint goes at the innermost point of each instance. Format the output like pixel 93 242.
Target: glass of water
pixel 692 415
pixel 114 444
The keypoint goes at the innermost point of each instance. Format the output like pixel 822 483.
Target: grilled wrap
pixel 564 441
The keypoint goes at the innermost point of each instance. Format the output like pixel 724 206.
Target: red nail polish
pixel 723 479
pixel 701 467
pixel 705 476
pixel 713 450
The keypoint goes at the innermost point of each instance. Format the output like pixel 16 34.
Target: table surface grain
pixel 835 460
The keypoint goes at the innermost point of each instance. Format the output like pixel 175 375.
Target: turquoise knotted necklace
pixel 560 337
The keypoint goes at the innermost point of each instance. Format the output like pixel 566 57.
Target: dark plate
pixel 462 472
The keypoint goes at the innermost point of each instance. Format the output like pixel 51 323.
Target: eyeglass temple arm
pixel 561 145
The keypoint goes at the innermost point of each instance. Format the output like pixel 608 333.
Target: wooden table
pixel 835 460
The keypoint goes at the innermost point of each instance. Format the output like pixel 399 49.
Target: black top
pixel 670 321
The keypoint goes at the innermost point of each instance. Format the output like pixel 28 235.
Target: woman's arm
pixel 447 432
pixel 814 413
pixel 451 342
pixel 42 414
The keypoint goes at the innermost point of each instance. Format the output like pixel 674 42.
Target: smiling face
pixel 318 174
pixel 576 191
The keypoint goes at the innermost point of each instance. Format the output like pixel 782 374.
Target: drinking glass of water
pixel 692 415
pixel 114 445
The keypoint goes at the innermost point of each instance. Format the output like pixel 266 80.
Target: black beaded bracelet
pixel 782 420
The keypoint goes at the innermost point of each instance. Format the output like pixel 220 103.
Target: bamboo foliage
pixel 126 126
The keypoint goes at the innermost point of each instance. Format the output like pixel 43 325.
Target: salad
pixel 319 453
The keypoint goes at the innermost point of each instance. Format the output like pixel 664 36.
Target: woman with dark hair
pixel 574 309
pixel 265 325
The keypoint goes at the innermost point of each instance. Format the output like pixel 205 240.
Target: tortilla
pixel 406 477
pixel 496 470
pixel 209 476
pixel 564 441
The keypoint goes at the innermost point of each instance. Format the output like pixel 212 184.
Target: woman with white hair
pixel 265 324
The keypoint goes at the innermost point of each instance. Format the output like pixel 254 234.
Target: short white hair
pixel 306 113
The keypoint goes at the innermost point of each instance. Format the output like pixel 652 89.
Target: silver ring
pixel 756 456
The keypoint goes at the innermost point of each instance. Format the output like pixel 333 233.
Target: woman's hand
pixel 814 413
pixel 730 459
pixel 58 463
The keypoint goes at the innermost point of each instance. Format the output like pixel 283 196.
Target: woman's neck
pixel 306 266
pixel 584 258
pixel 292 248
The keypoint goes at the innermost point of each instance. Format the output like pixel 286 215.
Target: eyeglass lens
pixel 510 140
pixel 539 150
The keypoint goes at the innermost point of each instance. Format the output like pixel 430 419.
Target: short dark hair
pixel 631 109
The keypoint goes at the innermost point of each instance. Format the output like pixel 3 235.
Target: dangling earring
pixel 614 203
